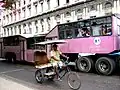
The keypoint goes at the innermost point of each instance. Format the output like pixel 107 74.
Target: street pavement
pixel 7 84
pixel 23 76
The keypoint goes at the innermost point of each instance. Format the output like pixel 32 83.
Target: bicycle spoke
pixel 74 81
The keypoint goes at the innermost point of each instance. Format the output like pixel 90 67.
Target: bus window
pixel 11 41
pixel 61 35
pixel 32 40
pixel 78 32
pixel 101 27
pixel 69 34
pixel 96 29
pixel 83 29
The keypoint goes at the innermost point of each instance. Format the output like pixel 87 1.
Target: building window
pixel 30 28
pixel 36 26
pixel 67 1
pixel 24 14
pixel 42 25
pixel 24 2
pixel 11 17
pixel 11 31
pixel 19 29
pixel 48 21
pixel 8 31
pixel 108 7
pixel 57 18
pixel 58 2
pixel 7 18
pixel 19 3
pixel 29 8
pixel 19 12
pixel 48 3
pixel 42 7
pixel 68 14
pixel 36 8
pixel 14 15
pixel 92 7
pixel 4 17
pixel 15 30
pixel 4 31
pixel 79 14
pixel 24 28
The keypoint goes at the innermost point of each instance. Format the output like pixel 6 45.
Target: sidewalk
pixel 6 84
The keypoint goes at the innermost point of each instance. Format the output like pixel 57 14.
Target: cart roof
pixel 51 42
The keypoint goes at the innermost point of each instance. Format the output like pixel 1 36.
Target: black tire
pixel 105 63
pixel 119 64
pixel 10 57
pixel 39 76
pixel 85 64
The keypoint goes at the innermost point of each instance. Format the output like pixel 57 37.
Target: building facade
pixel 31 17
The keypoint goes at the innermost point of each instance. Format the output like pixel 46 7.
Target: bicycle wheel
pixel 73 81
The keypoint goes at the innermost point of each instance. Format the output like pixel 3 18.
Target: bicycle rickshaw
pixel 46 70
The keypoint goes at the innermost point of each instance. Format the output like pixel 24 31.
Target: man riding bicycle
pixel 55 58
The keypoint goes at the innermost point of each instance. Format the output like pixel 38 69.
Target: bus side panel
pixel 116 30
pixel 102 44
pixel 14 49
pixel 30 55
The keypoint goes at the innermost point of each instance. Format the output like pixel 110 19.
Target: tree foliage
pixel 8 4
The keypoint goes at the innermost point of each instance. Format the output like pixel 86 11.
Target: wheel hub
pixel 104 66
pixel 83 65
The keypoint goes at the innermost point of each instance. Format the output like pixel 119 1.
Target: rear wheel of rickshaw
pixel 51 77
pixel 39 76
pixel 73 80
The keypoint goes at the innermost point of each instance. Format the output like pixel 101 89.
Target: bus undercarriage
pixel 104 64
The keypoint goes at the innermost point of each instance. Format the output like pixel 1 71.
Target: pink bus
pixel 91 43
pixel 19 48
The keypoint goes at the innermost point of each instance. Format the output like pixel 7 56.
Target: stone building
pixel 31 17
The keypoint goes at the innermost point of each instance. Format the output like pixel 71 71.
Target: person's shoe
pixel 59 79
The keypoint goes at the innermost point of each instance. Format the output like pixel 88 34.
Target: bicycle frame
pixel 66 68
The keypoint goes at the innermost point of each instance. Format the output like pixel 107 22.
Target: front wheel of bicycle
pixel 73 80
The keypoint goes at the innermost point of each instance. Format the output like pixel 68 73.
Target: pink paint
pixel 87 45
pixel 106 45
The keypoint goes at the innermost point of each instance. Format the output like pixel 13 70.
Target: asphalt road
pixel 24 74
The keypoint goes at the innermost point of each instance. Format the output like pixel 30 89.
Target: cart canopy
pixel 51 42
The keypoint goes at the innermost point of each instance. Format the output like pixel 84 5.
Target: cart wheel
pixel 39 76
pixel 73 80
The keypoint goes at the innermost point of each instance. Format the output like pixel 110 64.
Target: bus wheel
pixel 85 64
pixel 105 66
pixel 8 57
pixel 13 58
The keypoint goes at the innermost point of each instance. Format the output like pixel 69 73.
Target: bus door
pixel 22 50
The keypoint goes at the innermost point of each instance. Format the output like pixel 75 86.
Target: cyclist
pixel 55 58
